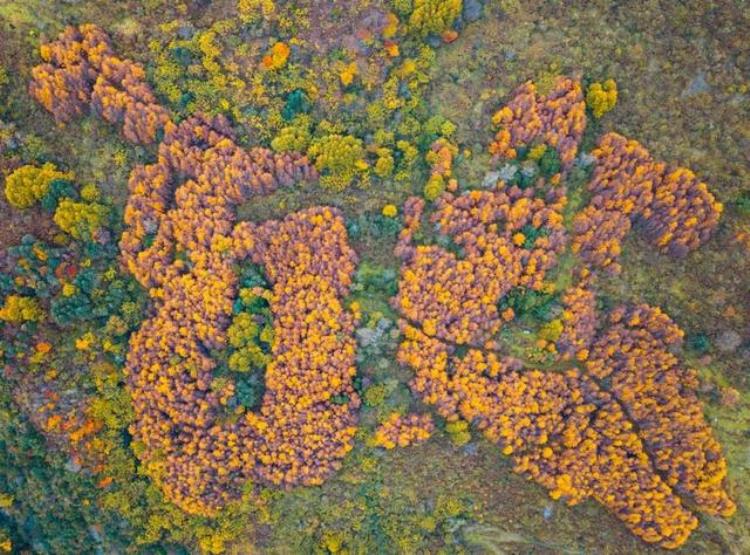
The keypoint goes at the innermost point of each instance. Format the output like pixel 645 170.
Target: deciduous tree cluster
pixel 557 119
pixel 579 319
pixel 659 395
pixel 434 16
pixel 620 422
pixel 578 438
pixel 674 209
pixel 498 233
pixel 80 69
pixel 402 431
pixel 29 184
pixel 182 243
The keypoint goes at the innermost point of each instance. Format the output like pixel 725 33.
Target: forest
pixel 378 276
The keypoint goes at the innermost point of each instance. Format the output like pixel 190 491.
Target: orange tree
pixel 599 406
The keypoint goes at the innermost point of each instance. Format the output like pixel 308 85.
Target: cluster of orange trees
pixel 402 431
pixel 201 149
pixel 579 321
pixel 509 238
pixel 557 119
pixel 675 210
pixel 626 429
pixel 660 397
pixel 81 69
pixel 562 430
pixel 619 420
pixel 182 243
pixel 598 237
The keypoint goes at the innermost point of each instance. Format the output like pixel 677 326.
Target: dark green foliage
pixel 6 283
pixel 34 263
pixel 591 134
pixel 54 510
pixel 743 203
pixel 532 234
pixel 340 399
pixel 69 310
pixel 249 390
pixel 373 226
pixel 251 275
pixel 549 163
pixel 58 189
pixel 699 342
pixel 578 177
pixel 529 302
pixel 374 278
pixel 296 103
pixel 181 55
pixel 148 240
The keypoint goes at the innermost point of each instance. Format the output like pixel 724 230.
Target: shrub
pixel 18 309
pixel 601 97
pixel 277 57
pixel 434 16
pixel 251 11
pixel 339 158
pixel 552 330
pixel 294 137
pixel 527 301
pixel 28 184
pixel 390 211
pixel 297 102
pixel 699 342
pixel 377 278
pixel 385 163
pixel 80 219
pixel 67 310
pixel 434 187
pixel 549 162
pixel 58 189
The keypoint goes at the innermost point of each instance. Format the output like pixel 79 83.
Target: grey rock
pixel 471 449
pixel 529 169
pixel 367 336
pixel 728 341
pixel 507 172
pixel 548 512
pixel 72 465
pixel 186 32
pixel 490 178
pixel 585 159
pixel 697 86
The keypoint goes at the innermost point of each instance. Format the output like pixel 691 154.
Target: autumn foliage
pixel 635 446
pixel 659 395
pixel 672 207
pixel 457 298
pixel 81 69
pixel 402 431
pixel 620 420
pixel 29 184
pixel 185 203
pixel 558 119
